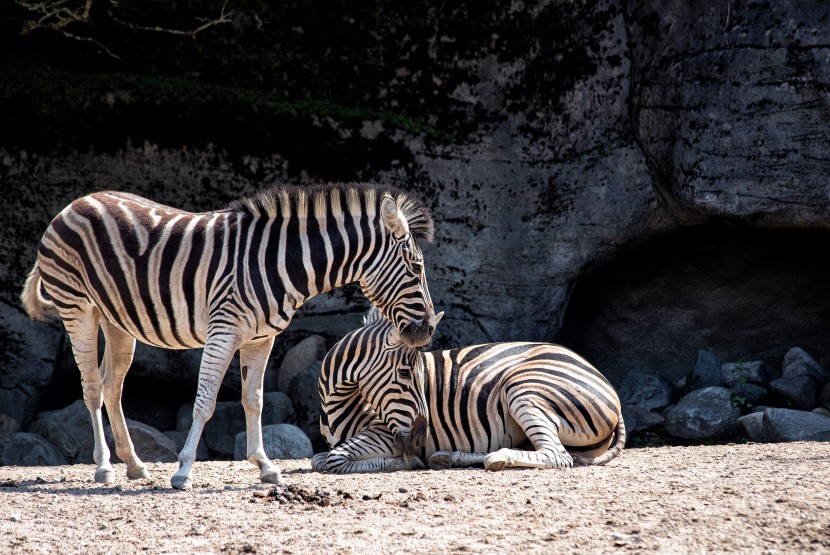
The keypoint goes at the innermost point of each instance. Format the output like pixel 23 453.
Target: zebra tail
pixel 613 451
pixel 36 305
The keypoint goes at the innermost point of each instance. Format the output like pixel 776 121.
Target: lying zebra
pixel 484 401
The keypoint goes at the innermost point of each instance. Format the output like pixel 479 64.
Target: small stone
pixel 198 530
pixel 16 517
pixel 402 490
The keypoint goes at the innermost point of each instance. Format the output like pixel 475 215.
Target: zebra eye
pixel 404 373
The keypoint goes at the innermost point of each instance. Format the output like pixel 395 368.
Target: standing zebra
pixel 483 402
pixel 226 280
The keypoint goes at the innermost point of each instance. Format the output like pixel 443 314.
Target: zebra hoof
pixel 319 463
pixel 494 464
pixel 181 482
pixel 272 478
pixel 441 460
pixel 140 473
pixel 104 476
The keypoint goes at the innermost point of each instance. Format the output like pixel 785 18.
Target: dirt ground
pixel 752 498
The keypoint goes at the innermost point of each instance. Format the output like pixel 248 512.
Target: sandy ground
pixel 749 498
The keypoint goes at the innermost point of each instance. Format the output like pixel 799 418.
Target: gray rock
pixel 753 425
pixel 821 411
pixel 735 373
pixel 702 414
pixel 795 425
pixel 748 395
pixel 628 418
pixel 69 429
pixel 229 419
pixel 179 438
pixel 8 425
pixel 797 363
pixel 26 449
pixel 647 391
pixel 28 351
pixel 801 392
pixel 281 441
pixel 298 358
pixel 824 397
pixel 150 444
pixel 184 417
pixel 642 419
pixel 706 373
pixel 306 399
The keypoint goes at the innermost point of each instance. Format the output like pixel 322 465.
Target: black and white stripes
pixel 227 280
pixel 483 402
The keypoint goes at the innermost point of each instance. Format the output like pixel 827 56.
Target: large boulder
pixel 306 399
pixel 703 414
pixel 69 429
pixel 795 425
pixel 150 444
pixel 281 441
pixel 229 419
pixel 297 358
pixel 28 352
pixel 706 372
pixel 798 363
pixel 647 391
pixel 25 449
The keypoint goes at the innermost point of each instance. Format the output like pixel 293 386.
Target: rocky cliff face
pixel 547 138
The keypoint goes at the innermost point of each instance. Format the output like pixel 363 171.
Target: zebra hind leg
pixel 216 356
pixel 253 359
pixel 542 429
pixel 442 460
pixel 82 327
pixel 118 355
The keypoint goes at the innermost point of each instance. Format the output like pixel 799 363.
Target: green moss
pixel 52 91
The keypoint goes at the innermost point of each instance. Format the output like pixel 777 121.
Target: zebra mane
pixel 317 199
pixel 373 316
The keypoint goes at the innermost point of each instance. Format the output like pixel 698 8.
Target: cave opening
pixel 742 293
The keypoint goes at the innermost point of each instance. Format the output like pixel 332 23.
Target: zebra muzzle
pixel 417 333
pixel 417 437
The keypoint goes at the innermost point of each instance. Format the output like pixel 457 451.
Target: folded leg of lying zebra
pixel 483 405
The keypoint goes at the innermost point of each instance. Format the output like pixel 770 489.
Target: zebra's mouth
pixel 414 441
pixel 417 333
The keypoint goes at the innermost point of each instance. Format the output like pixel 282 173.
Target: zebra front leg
pixel 218 352
pixel 82 328
pixel 442 460
pixel 252 360
pixel 542 429
pixel 373 449
pixel 118 355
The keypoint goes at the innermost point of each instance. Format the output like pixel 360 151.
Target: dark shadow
pixel 742 293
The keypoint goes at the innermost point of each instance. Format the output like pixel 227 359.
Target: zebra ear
pixel 438 318
pixel 394 336
pixel 394 220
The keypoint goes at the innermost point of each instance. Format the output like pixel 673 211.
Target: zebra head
pixel 396 283
pixel 389 375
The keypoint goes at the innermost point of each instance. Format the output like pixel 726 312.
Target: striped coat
pixel 484 403
pixel 228 281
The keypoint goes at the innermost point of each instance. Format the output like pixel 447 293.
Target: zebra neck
pixel 311 255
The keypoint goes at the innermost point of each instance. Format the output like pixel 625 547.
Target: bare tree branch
pixel 224 17
pixel 57 15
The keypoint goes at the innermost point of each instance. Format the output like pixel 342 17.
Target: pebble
pixel 16 517
pixel 199 529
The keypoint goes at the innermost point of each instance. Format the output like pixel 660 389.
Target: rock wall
pixel 547 137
